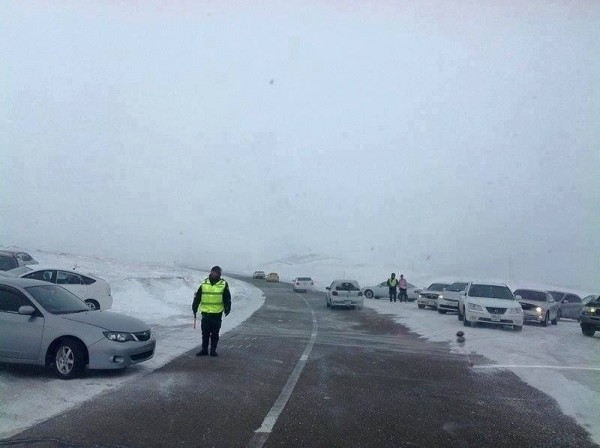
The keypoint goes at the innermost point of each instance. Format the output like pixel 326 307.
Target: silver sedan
pixel 44 324
pixel 538 306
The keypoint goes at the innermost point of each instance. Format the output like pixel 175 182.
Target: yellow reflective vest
pixel 393 282
pixel 212 296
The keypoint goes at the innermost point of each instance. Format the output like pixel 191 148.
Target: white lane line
pixel 511 366
pixel 261 434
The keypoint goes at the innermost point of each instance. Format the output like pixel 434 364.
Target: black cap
pixel 216 269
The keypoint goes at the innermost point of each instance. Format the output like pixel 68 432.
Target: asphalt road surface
pixel 299 374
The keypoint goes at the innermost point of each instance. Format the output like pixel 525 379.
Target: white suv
pixel 302 284
pixel 491 303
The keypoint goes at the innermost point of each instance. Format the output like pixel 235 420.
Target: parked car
pixel 491 303
pixel 428 297
pixel 382 290
pixel 302 284
pixel 569 305
pixel 590 315
pixel 44 324
pixel 345 293
pixel 10 259
pixel 259 274
pixel 91 289
pixel 273 277
pixel 452 297
pixel 538 306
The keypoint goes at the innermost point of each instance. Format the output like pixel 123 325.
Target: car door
pixel 382 290
pixel 20 335
pixel 571 306
pixel 44 275
pixel 553 306
pixel 72 282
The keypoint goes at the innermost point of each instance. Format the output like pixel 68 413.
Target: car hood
pixel 494 303
pixel 535 303
pixel 451 294
pixel 109 321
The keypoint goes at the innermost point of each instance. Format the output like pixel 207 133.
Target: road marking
pixel 262 434
pixel 514 366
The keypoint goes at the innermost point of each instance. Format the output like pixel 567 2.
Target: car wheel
pixel 421 306
pixel 441 311
pixel 466 323
pixel 544 323
pixel 588 330
pixel 328 304
pixel 558 315
pixel 69 359
pixel 369 294
pixel 555 320
pixel 94 306
pixel 459 314
pixel 518 327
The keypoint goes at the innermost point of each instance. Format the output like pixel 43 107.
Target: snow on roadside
pixel 159 295
pixel 557 360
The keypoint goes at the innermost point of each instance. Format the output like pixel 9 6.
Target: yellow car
pixel 272 277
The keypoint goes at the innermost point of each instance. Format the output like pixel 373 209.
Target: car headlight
pixel 475 307
pixel 118 336
pixel 440 296
pixel 515 310
pixel 589 310
pixel 420 296
pixel 539 309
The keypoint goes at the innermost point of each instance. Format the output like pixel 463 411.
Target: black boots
pixel 213 353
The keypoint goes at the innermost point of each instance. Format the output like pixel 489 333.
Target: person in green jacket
pixel 214 298
pixel 392 284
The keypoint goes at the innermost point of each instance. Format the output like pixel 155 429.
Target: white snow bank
pixel 160 295
pixel 557 360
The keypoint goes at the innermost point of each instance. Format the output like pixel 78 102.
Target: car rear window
pixel 88 280
pixel 304 279
pixel 491 291
pixel 347 286
pixel 527 294
pixel 8 262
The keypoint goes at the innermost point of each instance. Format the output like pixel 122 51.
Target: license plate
pixel 495 318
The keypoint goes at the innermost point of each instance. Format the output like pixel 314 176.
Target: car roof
pixel 345 281
pixel 7 252
pixel 21 282
pixel 488 283
pixel 41 267
pixel 532 289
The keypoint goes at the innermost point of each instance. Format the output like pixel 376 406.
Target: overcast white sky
pixel 462 132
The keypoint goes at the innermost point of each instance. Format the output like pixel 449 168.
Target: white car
pixel 345 293
pixel 91 289
pixel 382 290
pixel 10 259
pixel 452 297
pixel 302 284
pixel 490 303
pixel 429 296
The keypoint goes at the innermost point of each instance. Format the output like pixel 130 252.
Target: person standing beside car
pixel 393 284
pixel 214 298
pixel 403 286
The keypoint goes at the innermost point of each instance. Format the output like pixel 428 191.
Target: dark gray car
pixel 44 324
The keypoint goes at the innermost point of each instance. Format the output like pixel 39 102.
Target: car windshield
pixel 57 300
pixel 8 262
pixel 491 291
pixel 528 294
pixel 437 286
pixel 591 300
pixel 457 287
pixel 347 286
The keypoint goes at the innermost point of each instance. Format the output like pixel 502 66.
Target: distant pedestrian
pixel 403 285
pixel 214 299
pixel 393 284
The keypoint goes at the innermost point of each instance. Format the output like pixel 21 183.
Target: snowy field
pixel 160 295
pixel 558 360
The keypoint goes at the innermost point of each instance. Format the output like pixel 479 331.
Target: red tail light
pixel 334 293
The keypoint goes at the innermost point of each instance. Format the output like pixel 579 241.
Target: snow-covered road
pixel 159 295
pixel 558 360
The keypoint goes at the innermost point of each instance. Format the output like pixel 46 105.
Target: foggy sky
pixel 462 133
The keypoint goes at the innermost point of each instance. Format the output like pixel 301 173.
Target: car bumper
pixel 106 354
pixel 533 316
pixel 591 321
pixel 496 319
pixel 447 305
pixel 347 301
pixel 427 302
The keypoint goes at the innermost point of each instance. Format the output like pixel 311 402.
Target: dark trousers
pixel 210 325
pixel 393 294
pixel 403 296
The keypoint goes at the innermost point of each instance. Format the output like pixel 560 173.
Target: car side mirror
pixel 26 310
pixel 518 298
pixel 328 288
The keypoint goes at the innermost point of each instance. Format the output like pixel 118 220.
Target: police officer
pixel 214 299
pixel 392 284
